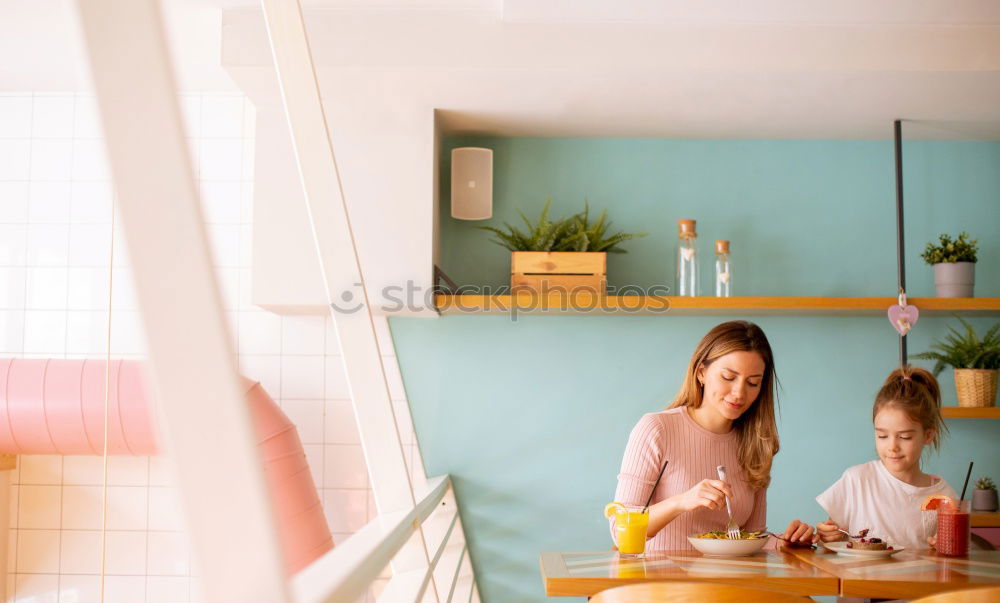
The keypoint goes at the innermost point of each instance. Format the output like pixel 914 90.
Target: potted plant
pixel 984 497
pixel 975 362
pixel 567 255
pixel 954 264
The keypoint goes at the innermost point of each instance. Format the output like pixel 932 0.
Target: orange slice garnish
pixel 936 501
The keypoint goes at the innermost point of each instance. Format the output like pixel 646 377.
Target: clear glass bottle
pixel 723 270
pixel 687 258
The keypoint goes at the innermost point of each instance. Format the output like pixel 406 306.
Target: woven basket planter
pixel 977 388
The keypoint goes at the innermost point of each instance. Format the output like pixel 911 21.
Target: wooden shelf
pixel 593 304
pixel 981 519
pixel 959 412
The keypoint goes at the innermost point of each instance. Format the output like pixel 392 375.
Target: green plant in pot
pixel 974 359
pixel 984 497
pixel 560 255
pixel 954 263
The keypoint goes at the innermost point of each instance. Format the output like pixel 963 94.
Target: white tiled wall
pixel 55 241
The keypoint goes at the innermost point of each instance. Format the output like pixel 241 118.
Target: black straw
pixel 966 484
pixel 658 483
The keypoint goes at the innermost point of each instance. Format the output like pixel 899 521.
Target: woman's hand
pixel 829 531
pixel 797 534
pixel 708 493
pixel 932 541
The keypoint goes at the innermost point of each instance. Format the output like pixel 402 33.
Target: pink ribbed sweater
pixel 694 453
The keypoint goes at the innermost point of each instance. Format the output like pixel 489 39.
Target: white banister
pixel 345 573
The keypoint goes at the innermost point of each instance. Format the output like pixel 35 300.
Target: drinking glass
pixel 953 530
pixel 630 530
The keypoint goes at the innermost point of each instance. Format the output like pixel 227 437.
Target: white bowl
pixel 720 546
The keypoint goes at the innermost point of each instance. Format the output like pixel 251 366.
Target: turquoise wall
pixel 530 417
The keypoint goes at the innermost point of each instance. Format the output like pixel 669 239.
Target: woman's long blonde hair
pixel 756 430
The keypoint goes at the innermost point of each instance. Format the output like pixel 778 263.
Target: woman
pixel 723 415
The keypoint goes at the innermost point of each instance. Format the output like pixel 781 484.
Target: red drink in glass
pixel 953 529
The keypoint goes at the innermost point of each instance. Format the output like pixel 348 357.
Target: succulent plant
pixel 948 251
pixel 965 350
pixel 985 483
pixel 575 233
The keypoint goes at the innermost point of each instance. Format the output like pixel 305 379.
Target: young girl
pixel 885 495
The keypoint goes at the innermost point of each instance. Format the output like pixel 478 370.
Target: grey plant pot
pixel 955 279
pixel 984 500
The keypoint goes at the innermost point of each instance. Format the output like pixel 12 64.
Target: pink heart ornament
pixel 903 318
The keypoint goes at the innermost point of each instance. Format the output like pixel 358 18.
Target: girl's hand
pixel 708 493
pixel 932 541
pixel 827 531
pixel 797 534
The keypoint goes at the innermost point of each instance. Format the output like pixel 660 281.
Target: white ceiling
pixel 670 68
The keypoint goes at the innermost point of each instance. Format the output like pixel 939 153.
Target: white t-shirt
pixel 868 496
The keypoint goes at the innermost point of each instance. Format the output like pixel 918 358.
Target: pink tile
pixel 308 418
pixel 37 588
pixel 78 589
pixel 49 202
pixel 39 507
pixel 127 507
pixel 303 335
pixel 302 377
pixel 51 159
pixel 52 116
pixel 161 471
pixel 168 554
pixel 86 123
pixel 168 589
pixel 124 589
pixel 83 470
pixel 41 469
pixel 15 115
pixel 44 332
pixel 46 288
pixel 344 467
pixel 82 507
pixel 80 552
pixel 47 244
pixel 14 208
pixel 11 554
pixel 90 160
pixel 164 510
pixel 260 333
pixel 15 159
pixel 128 470
pixel 38 551
pixel 13 243
pixel 126 553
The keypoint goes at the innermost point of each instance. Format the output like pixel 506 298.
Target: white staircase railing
pixel 418 531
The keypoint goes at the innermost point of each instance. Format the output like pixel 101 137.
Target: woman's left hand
pixel 798 534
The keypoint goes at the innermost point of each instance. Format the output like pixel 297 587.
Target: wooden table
pixel 586 574
pixel 907 574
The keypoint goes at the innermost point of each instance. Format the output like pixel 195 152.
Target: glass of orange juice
pixel 630 530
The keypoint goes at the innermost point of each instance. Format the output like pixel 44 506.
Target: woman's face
pixel 732 383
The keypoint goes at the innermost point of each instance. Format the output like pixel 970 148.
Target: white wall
pixel 55 231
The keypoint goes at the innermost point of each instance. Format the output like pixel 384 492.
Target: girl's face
pixel 899 439
pixel 732 383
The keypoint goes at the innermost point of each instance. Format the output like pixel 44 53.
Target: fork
pixel 732 530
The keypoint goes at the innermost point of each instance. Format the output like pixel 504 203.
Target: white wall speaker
pixel 471 183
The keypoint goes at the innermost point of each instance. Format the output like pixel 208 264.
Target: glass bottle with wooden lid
pixel 723 270
pixel 687 260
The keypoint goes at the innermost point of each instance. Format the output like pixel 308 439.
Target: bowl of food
pixel 717 543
